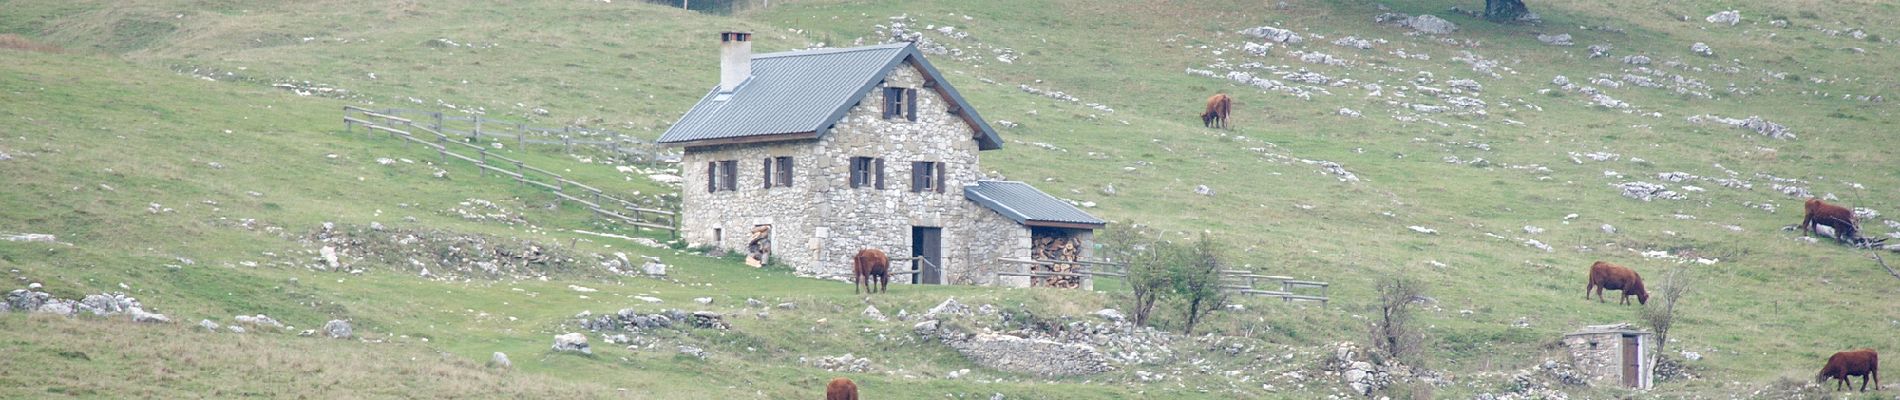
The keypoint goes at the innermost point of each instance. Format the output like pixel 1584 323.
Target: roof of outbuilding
pixel 1023 203
pixel 807 91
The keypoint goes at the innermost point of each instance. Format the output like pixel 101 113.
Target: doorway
pixel 926 247
pixel 1632 361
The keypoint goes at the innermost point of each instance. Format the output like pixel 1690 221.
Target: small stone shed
pixel 805 157
pixel 1613 354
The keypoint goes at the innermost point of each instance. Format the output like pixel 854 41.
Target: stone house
pixel 805 157
pixel 1614 354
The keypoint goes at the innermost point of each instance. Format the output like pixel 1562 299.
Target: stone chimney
pixel 735 59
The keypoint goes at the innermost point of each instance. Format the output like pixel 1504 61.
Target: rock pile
pixel 572 342
pixel 1427 23
pixel 1646 191
pixel 1273 34
pixel 32 300
pixel 1730 17
pixel 1753 123
pixel 1561 39
pixel 844 363
pixel 338 329
pixel 446 255
pixel 1039 357
pixel 630 319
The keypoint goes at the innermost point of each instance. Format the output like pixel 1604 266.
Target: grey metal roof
pixel 807 91
pixel 1023 203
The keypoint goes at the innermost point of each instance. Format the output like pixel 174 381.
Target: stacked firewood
pixel 1053 248
pixel 759 246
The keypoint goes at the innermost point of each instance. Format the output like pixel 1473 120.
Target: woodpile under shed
pixel 759 246
pixel 1056 248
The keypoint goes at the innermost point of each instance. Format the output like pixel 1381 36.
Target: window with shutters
pixel 926 176
pixel 900 103
pixel 867 172
pixel 722 175
pixel 784 171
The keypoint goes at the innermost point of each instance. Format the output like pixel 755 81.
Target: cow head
pixel 1642 297
pixel 1207 119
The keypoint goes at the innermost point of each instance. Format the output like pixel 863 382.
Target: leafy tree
pixel 1392 330
pixel 1661 315
pixel 1196 281
pixel 1146 260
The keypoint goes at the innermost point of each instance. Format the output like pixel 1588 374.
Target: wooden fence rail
pixel 478 127
pixel 643 218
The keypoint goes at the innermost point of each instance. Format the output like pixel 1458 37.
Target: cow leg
pixel 856 279
pixel 1863 382
pixel 884 283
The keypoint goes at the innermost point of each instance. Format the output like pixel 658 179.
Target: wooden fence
pixel 614 209
pixel 477 127
pixel 1248 283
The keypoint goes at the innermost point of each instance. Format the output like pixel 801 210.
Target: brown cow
pixel 841 389
pixel 1839 218
pixel 1604 275
pixel 870 264
pixel 1218 107
pixel 1864 363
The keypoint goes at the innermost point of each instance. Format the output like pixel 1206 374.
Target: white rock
pixel 1730 17
pixel 500 360
pixel 572 342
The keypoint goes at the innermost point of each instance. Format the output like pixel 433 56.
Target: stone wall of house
pixel 821 221
pixel 789 210
pixel 992 236
pixel 1599 356
pixel 867 217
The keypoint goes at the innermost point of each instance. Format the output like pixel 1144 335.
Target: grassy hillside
pixel 149 95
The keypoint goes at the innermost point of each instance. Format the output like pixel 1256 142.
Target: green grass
pixel 115 113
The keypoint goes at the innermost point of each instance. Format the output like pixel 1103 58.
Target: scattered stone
pixel 703 300
pixel 572 342
pixel 1702 49
pixel 1599 50
pixel 1031 356
pixel 235 329
pixel 695 352
pixel 926 328
pixel 949 307
pixel 1730 17
pixel 1561 39
pixel 210 326
pixel 1424 230
pixel 139 315
pixel 1610 229
pixel 338 329
pixel 844 363
pixel 1427 23
pixel 1752 123
pixel 1203 190
pixel 1273 34
pixel 871 312
pixel 754 303
pixel 259 321
pixel 1636 59
pixel 1347 112
pixel 653 267
pixel 500 360
pixel 1111 315
pixel 709 320
pixel 789 306
pixel 1533 230
pixel 29 237
pixel 1646 191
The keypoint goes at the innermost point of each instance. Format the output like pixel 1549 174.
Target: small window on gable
pixel 926 176
pixel 867 172
pixel 900 103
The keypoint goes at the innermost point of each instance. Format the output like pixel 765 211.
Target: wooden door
pixel 1632 361
pixel 926 244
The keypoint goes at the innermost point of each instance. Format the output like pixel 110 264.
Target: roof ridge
pixel 829 51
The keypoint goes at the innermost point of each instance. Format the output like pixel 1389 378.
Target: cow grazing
pixel 1604 275
pixel 1219 107
pixel 1839 218
pixel 867 265
pixel 1864 363
pixel 841 389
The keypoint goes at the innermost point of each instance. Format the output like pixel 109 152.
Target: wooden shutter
pixel 916 176
pixel 857 172
pixel 940 173
pixel 880 173
pixel 910 104
pixel 890 102
pixel 768 173
pixel 712 176
pixel 785 171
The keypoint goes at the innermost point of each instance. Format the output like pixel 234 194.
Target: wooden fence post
pixel 566 139
pixel 438 122
pixel 478 129
pixel 521 135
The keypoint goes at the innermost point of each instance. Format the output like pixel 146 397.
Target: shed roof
pixel 1024 204
pixel 801 94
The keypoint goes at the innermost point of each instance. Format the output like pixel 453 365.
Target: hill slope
pixel 1495 179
